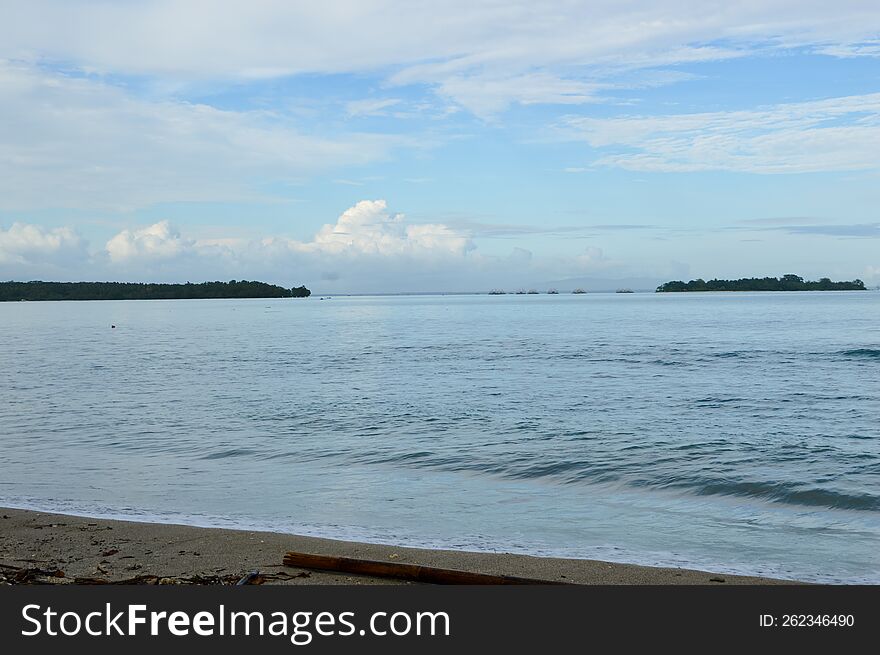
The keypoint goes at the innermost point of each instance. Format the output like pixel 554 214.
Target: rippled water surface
pixel 735 432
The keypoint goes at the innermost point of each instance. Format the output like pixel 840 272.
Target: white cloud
pixel 486 95
pixel 77 142
pixel 593 258
pixel 23 244
pixel 822 135
pixel 465 48
pixel 366 232
pixel 849 50
pixel 370 106
pixel 158 241
pixel 367 249
pixel 369 229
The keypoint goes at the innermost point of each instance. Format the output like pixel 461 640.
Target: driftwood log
pixel 402 571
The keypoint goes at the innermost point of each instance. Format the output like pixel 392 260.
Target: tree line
pixel 784 283
pixel 39 290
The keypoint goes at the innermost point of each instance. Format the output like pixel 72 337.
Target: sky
pixel 405 146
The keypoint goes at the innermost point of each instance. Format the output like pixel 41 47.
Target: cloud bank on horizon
pixel 368 249
pixel 526 142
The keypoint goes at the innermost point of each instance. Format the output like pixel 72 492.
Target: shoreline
pixel 109 550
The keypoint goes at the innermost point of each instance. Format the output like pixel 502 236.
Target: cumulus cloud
pixel 367 249
pixel 158 241
pixel 26 244
pixel 366 236
pixel 368 228
pixel 822 135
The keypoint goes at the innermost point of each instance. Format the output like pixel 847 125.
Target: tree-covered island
pixel 37 290
pixel 784 283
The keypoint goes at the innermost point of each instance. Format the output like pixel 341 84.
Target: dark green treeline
pixel 37 290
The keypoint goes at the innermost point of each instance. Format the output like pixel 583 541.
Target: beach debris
pixel 141 579
pixel 717 580
pixel 281 575
pixel 402 571
pixel 29 575
pixel 16 575
pixel 250 578
pixel 108 553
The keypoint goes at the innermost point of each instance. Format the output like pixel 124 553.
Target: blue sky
pixel 406 146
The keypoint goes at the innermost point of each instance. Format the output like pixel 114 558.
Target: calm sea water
pixel 733 432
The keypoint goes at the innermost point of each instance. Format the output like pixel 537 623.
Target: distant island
pixel 784 283
pixel 38 290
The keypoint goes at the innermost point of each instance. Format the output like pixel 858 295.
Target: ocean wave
pixel 591 471
pixel 862 353
pixel 229 452
pixel 780 492
pixel 715 401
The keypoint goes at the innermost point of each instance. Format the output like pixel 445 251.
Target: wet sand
pixel 37 547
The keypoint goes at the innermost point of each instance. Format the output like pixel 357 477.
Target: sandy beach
pixel 43 548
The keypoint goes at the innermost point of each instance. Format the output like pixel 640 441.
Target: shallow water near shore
pixel 729 432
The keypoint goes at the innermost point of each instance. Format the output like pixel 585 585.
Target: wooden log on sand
pixel 402 571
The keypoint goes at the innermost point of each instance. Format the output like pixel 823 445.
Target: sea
pixel 731 432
